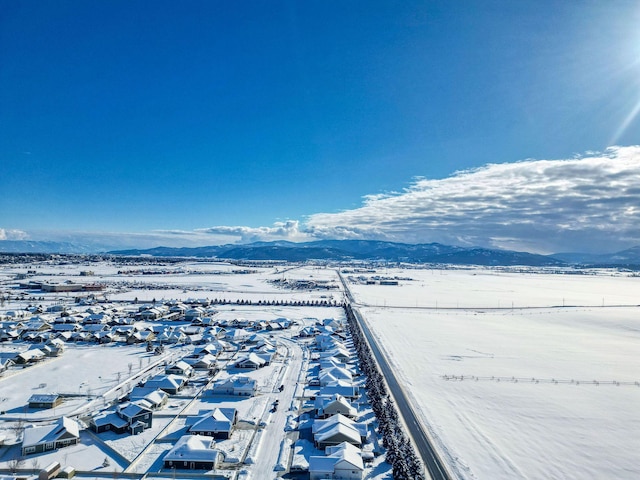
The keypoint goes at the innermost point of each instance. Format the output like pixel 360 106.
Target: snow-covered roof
pixel 108 417
pixel 336 456
pixel 217 420
pixel 192 448
pixel 37 435
pixel 338 431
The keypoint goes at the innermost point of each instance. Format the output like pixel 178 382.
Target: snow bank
pixel 285 454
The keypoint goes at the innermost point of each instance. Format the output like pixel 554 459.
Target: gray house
pixel 63 433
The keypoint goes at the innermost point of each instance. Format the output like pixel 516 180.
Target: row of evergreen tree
pixel 401 455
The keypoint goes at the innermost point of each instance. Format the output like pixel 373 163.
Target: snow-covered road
pixel 273 435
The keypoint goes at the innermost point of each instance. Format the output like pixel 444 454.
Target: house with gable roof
pixel 337 429
pixel 334 374
pixel 108 420
pixel 217 423
pixel 171 384
pixel 253 361
pixel 61 434
pixel 180 368
pixel 236 385
pixel 138 415
pixel 343 461
pixel 192 452
pixel 33 355
pixel 328 405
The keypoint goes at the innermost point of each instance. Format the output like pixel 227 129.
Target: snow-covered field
pixel 519 393
pixel 213 280
pixel 498 288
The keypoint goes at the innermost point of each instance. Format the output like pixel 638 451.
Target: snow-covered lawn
pixel 82 370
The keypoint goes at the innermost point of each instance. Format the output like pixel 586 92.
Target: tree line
pixel 401 455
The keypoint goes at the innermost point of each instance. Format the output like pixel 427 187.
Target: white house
pixel 337 429
pixel 328 405
pixel 343 461
pixel 236 385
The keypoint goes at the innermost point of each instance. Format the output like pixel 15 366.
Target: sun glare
pixel 632 63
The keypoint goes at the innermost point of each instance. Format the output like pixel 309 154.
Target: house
pixel 108 420
pixel 328 405
pixel 237 335
pixel 54 347
pixel 66 327
pixel 252 361
pixel 179 368
pixel 136 413
pixel 153 313
pixel 344 388
pixel 333 323
pixel 343 461
pixel 334 374
pixel 104 337
pixel 330 362
pixel 179 308
pixel 203 321
pixel 337 351
pixel 79 337
pixel 215 331
pixel 40 400
pixel 192 452
pixel 217 423
pixel 30 356
pixel 153 399
pixel 308 332
pixel 174 338
pixel 63 433
pixel 97 318
pixel 9 335
pixel 205 362
pixel 196 312
pixel 141 337
pixel 208 349
pixel 337 429
pixel 237 385
pixel 171 384
pixel 222 346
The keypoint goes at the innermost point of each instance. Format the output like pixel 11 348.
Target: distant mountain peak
pixel 365 250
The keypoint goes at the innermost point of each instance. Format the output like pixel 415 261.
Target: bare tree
pixel 15 464
pixel 18 428
pixel 35 464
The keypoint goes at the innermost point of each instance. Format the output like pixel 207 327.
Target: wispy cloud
pixel 580 204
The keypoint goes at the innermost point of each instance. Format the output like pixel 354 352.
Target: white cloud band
pixel 581 204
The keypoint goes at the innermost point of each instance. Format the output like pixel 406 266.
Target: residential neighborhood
pixel 188 385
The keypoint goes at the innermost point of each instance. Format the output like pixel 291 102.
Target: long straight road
pixel 269 450
pixel 435 467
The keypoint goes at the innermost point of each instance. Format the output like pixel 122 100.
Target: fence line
pixel 534 380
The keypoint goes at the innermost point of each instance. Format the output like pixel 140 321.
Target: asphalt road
pixel 422 443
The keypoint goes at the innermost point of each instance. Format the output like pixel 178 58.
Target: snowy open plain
pixel 545 392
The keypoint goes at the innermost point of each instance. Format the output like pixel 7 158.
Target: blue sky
pixel 202 122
